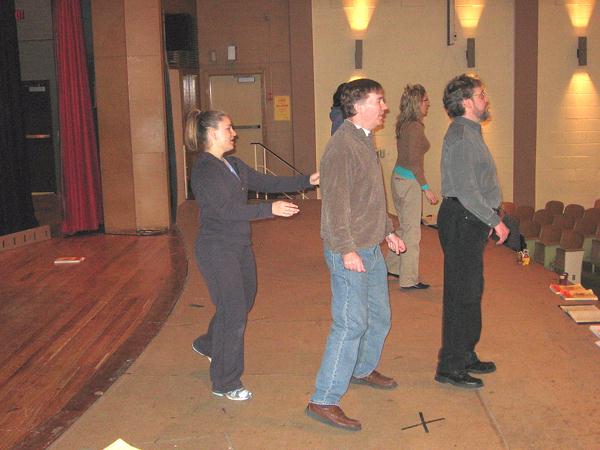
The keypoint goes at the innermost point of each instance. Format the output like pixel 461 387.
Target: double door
pixel 240 96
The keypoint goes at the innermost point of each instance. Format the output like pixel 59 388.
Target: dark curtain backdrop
pixel 82 196
pixel 16 207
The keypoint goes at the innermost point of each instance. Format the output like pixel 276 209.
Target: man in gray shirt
pixel 466 219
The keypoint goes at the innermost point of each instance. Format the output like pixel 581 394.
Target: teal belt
pixel 409 175
pixel 404 173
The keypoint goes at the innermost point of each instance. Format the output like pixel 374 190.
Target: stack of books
pixel 579 313
pixel 573 292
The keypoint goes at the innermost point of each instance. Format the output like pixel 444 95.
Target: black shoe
pixel 395 275
pixel 460 379
pixel 481 367
pixel 419 285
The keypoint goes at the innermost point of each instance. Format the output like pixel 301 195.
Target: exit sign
pixel 20 15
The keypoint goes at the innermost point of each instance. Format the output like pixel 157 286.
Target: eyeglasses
pixel 482 94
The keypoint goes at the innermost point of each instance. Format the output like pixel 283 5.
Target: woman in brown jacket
pixel 408 181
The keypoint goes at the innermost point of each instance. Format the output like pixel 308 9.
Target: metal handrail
pixel 265 148
pixel 265 170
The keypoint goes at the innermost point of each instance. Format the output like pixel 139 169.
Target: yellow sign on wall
pixel 281 107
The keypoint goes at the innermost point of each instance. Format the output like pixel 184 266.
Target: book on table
pixel 582 313
pixel 560 288
pixel 573 292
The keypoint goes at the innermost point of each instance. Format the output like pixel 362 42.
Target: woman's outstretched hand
pixel 284 209
pixel 314 179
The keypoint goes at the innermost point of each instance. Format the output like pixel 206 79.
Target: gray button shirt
pixel 469 171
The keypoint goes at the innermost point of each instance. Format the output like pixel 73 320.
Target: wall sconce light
pixel 469 13
pixel 470 52
pixel 231 53
pixel 358 13
pixel 582 50
pixel 358 53
pixel 580 12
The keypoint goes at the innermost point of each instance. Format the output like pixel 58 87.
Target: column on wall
pixel 525 125
pixel 129 65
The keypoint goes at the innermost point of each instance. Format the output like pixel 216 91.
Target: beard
pixel 485 114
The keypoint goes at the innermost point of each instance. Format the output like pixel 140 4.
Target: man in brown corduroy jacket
pixel 354 221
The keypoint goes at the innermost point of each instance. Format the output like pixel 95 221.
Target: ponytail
pixel 196 127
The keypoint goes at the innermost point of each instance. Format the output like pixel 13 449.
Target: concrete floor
pixel 543 396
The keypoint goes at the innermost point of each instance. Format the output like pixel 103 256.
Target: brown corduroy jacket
pixel 353 211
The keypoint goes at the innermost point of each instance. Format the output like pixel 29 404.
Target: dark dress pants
pixel 230 274
pixel 463 237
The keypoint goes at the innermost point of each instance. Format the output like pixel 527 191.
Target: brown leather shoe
pixel 375 380
pixel 332 415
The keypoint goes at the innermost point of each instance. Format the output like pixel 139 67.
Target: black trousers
pixel 463 237
pixel 230 274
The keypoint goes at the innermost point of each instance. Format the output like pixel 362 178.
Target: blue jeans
pixel 360 309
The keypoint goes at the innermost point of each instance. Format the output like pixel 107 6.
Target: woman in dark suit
pixel 223 248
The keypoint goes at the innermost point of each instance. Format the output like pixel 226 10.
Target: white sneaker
pixel 200 353
pixel 238 395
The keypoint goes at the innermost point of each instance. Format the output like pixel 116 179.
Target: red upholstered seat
pixel 555 206
pixel 543 217
pixel 574 210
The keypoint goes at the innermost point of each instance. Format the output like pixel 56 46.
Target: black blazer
pixel 225 213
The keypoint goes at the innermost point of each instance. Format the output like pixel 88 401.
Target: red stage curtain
pixel 82 195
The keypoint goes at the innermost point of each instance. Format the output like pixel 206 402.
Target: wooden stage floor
pixel 69 331
pixel 542 396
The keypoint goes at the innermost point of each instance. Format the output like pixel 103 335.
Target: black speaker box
pixel 179 32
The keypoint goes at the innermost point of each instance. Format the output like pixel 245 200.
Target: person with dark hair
pixel 354 221
pixel 408 181
pixel 467 216
pixel 223 249
pixel 336 115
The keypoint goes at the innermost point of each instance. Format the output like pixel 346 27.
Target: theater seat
pixel 586 226
pixel 531 233
pixel 569 255
pixel 524 213
pixel 555 207
pixel 563 222
pixel 543 217
pixel 545 249
pixel 574 210
pixel 595 256
pixel 508 208
pixel 593 213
